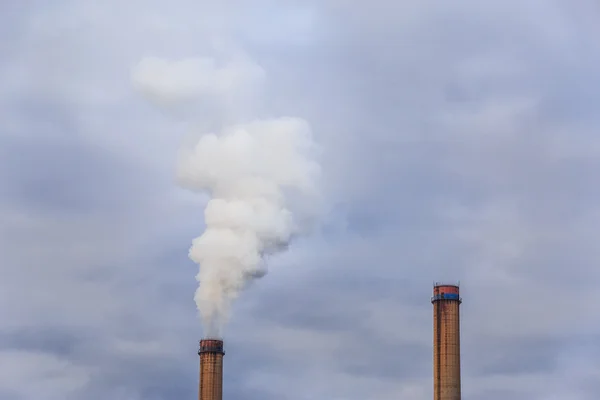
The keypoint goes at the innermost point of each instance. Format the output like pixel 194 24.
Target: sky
pixel 459 142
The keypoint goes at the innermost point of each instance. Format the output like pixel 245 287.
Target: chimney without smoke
pixel 446 342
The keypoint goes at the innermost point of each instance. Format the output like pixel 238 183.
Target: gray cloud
pixel 66 176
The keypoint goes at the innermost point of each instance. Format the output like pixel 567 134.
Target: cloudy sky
pixel 459 143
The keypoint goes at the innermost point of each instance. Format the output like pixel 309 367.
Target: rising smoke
pixel 261 177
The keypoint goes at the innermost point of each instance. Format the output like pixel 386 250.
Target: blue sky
pixel 459 142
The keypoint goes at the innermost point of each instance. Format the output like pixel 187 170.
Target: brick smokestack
pixel 210 386
pixel 446 342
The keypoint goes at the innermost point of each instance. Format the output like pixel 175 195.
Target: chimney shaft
pixel 210 386
pixel 446 342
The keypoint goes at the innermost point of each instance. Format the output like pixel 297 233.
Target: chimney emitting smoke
pixel 210 385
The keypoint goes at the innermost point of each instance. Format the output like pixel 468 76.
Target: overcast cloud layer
pixel 460 142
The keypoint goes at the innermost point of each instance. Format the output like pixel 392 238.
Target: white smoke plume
pixel 165 82
pixel 261 177
pixel 206 90
pixel 248 171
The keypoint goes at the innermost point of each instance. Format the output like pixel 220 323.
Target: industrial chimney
pixel 446 342
pixel 210 386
